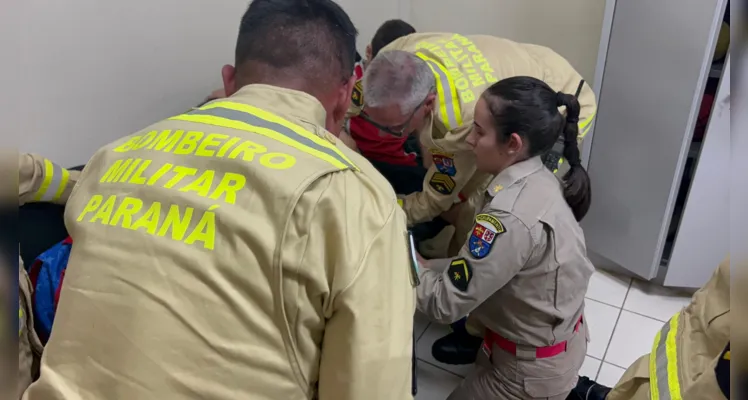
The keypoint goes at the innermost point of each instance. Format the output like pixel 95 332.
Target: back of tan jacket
pixel 464 66
pixel 233 252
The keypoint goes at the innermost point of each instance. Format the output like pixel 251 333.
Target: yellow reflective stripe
pixel 449 103
pixel 585 125
pixel 20 320
pixel 672 359
pixel 654 392
pixel 205 117
pixel 229 123
pixel 664 382
pixel 63 184
pixel 49 174
pixel 400 202
pixel 272 118
pixel 440 93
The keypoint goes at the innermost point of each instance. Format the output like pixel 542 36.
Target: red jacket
pixel 384 148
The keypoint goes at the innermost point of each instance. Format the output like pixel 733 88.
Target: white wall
pixel 98 70
pixel 93 71
pixel 571 27
pixel 368 15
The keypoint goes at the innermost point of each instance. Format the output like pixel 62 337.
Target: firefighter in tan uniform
pixel 690 356
pixel 430 82
pixel 523 271
pixel 239 251
pixel 39 179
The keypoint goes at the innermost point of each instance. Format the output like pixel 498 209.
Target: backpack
pixel 46 274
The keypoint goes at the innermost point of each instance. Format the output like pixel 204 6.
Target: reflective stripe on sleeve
pixel 251 119
pixel 585 125
pixel 449 103
pixel 664 379
pixel 54 183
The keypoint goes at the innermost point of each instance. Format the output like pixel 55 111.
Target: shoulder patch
pixel 357 97
pixel 460 274
pixel 442 183
pixel 444 164
pixel 486 228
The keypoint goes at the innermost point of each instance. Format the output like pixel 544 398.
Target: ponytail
pixel 576 181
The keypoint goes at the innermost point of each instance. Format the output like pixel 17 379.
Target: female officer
pixel 524 271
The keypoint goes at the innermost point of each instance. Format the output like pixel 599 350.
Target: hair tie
pixel 560 99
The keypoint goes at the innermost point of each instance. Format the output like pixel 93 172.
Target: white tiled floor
pixel 623 317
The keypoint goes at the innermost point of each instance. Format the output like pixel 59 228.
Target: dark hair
pixel 529 107
pixel 313 39
pixel 388 32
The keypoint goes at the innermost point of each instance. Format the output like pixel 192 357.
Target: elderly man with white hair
pixel 428 84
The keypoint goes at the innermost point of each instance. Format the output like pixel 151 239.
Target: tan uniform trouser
pixel 504 377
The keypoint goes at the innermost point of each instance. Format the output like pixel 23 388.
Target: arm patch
pixel 486 228
pixel 460 274
pixel 357 96
pixel 442 183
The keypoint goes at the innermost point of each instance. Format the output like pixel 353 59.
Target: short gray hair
pixel 397 77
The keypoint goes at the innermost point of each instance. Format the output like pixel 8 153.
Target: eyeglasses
pixel 398 131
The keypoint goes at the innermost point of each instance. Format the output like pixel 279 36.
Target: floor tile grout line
pixel 441 368
pixel 603 303
pixel 599 367
pixel 615 365
pixel 621 308
pixel 424 331
pixel 643 315
pixel 618 318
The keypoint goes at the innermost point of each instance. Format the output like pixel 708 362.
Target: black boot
pixel 587 389
pixel 457 348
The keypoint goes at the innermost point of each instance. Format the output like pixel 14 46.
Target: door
pixel 703 238
pixel 656 67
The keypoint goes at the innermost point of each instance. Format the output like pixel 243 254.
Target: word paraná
pixel 176 224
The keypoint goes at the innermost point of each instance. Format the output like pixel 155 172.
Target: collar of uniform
pixel 284 101
pixel 514 174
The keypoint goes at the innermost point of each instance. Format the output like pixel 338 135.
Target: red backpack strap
pixel 59 288
pixel 36 267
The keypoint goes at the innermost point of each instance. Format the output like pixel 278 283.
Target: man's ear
pixel 368 52
pixel 228 73
pixel 430 101
pixel 342 104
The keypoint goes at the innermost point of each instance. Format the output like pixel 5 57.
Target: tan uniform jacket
pixel 701 332
pixel 464 66
pixel 39 179
pixel 523 272
pixel 240 253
